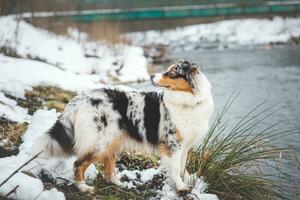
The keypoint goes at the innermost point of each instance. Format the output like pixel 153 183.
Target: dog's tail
pixel 58 141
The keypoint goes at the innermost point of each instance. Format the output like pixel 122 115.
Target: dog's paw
pixel 183 189
pixel 184 192
pixel 115 180
pixel 83 187
pixel 189 179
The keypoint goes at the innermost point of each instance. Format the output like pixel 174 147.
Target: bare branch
pixel 12 191
pixel 17 170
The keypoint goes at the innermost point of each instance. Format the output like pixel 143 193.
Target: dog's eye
pixel 172 73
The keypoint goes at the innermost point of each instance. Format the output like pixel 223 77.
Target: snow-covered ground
pixel 229 33
pixel 44 58
pixel 66 53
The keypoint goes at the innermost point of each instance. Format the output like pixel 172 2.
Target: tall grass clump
pixel 244 160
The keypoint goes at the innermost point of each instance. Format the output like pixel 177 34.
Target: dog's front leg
pixel 175 170
pixel 183 162
pixel 183 172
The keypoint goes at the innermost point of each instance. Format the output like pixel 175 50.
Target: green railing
pixel 154 9
pixel 208 10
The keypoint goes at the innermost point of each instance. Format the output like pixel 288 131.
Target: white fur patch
pixel 157 77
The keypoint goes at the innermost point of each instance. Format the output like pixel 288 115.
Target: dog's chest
pixel 185 119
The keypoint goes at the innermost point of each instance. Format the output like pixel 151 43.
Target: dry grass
pixel 12 131
pixel 45 97
pixel 241 161
pixel 10 136
pixel 50 97
pixel 40 97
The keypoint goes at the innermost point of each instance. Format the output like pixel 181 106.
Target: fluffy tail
pixel 57 142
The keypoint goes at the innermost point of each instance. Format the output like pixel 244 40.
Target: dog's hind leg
pixel 109 156
pixel 109 170
pixel 80 166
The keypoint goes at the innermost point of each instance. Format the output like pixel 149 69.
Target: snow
pixel 134 57
pixel 9 164
pixel 223 33
pixel 51 194
pixel 134 178
pixel 147 175
pixel 25 183
pixel 28 73
pixel 45 117
pixel 57 50
pixel 129 174
pixel 198 192
pixel 10 110
pixel 168 193
pixel 70 53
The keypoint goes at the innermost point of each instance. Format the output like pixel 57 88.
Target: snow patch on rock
pixel 229 33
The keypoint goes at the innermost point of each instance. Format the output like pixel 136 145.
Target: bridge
pixel 163 11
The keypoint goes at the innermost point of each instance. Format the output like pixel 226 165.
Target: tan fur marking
pixel 178 136
pixel 113 149
pixel 109 167
pixel 81 165
pixel 108 158
pixel 164 150
pixel 178 84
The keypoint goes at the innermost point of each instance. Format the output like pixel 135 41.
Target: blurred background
pixel 246 47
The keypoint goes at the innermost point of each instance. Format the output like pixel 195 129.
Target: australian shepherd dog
pixel 99 125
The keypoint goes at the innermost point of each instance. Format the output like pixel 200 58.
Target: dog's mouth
pixel 153 83
pixel 157 85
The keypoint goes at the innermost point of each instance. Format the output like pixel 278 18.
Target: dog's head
pixel 179 77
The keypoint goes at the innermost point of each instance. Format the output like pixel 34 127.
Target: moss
pixel 39 97
pixel 110 191
pixel 44 96
pixel 59 106
pixel 10 136
pixel 137 161
pixel 50 97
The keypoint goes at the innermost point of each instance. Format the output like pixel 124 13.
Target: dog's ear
pixel 191 72
pixel 194 68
